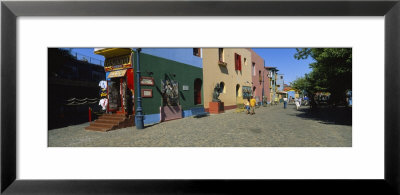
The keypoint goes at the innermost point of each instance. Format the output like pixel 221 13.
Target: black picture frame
pixel 10 10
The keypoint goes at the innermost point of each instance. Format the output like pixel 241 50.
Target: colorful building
pixel 119 78
pixel 280 83
pixel 171 83
pixel 291 94
pixel 273 71
pixel 259 78
pixel 280 86
pixel 230 68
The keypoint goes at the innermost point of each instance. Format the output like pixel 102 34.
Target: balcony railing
pixel 85 58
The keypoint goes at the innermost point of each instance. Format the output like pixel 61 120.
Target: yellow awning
pixel 112 52
pixel 118 73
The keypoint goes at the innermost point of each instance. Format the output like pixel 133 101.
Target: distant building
pixel 280 82
pixel 280 86
pixel 273 72
pixel 291 94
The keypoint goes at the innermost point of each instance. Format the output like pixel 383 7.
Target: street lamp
pixel 262 101
pixel 138 114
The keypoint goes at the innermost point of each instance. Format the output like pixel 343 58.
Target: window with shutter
pixel 236 61
pixel 240 63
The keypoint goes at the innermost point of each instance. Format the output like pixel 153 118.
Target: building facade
pixel 72 88
pixel 280 83
pixel 280 86
pixel 273 73
pixel 260 80
pixel 172 85
pixel 230 68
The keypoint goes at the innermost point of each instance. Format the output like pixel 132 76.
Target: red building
pixel 260 78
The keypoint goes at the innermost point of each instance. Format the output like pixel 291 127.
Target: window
pixel 281 77
pixel 259 76
pixel 238 62
pixel 221 54
pixel 254 68
pixel 196 52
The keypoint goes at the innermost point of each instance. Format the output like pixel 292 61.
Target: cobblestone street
pixel 269 127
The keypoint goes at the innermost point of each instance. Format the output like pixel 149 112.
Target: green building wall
pixel 161 69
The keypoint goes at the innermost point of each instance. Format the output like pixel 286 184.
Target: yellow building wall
pixel 214 73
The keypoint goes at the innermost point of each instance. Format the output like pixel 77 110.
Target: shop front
pixel 120 88
pixel 119 76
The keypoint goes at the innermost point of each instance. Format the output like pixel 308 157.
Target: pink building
pixel 259 77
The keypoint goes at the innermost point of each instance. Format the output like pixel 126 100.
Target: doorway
pixel 117 92
pixel 197 91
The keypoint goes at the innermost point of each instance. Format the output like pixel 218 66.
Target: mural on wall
pixel 246 91
pixel 170 93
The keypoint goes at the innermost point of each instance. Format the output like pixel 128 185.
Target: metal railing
pixel 85 58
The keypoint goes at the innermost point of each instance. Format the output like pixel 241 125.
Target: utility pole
pixel 139 114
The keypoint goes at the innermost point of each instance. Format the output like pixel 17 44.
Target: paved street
pixel 269 127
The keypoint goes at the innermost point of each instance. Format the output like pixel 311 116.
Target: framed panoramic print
pixel 200 97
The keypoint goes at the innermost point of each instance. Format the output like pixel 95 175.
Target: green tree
pixel 331 71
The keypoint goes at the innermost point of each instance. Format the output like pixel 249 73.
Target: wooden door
pixel 197 91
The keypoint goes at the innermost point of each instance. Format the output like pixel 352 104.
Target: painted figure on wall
pixel 170 93
pixel 246 91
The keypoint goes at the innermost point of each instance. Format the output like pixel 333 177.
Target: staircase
pixel 108 122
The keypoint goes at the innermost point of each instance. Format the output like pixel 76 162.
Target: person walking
pixel 296 101
pixel 247 106
pixel 306 101
pixel 252 105
pixel 285 102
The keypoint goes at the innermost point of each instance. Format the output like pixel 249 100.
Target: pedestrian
pixel 305 100
pixel 300 101
pixel 247 106
pixel 297 103
pixel 285 102
pixel 252 105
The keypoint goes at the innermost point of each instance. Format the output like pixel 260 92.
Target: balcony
pixel 222 63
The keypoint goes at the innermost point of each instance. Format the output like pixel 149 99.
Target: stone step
pixel 103 129
pixel 110 121
pixel 108 125
pixel 112 116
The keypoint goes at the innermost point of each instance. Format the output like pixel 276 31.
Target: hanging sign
pixel 146 81
pixel 118 73
pixel 147 93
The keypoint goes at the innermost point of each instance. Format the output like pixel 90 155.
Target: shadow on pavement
pixel 326 115
pixel 201 115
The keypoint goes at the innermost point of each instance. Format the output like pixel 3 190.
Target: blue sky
pixel 282 58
